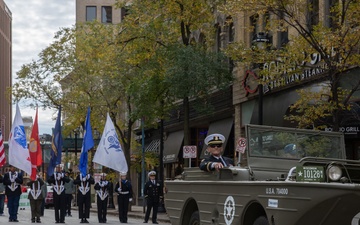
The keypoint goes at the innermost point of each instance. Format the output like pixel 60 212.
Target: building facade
pixel 103 10
pixel 5 69
pixel 270 103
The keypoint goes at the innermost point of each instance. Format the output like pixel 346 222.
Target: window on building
pixel 106 14
pixel 123 12
pixel 331 17
pixel 283 33
pixel 313 14
pixel 218 38
pixel 90 13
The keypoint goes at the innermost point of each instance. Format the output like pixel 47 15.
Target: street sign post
pixel 189 152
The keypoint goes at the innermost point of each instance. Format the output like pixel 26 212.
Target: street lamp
pixel 161 207
pixel 76 133
pixel 42 143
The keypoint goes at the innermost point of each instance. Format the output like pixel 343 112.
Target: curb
pixel 131 214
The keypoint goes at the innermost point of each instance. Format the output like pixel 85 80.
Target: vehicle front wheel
pixel 195 218
pixel 261 220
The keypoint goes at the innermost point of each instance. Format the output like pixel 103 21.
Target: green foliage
pixel 334 38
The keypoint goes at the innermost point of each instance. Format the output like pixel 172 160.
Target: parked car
pixel 49 199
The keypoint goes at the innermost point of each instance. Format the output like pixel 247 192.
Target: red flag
pixel 35 148
pixel 2 151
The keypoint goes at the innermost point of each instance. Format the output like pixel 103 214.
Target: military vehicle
pixel 285 177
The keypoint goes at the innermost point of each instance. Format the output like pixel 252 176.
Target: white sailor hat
pixel 151 173
pixel 214 139
pixel 123 173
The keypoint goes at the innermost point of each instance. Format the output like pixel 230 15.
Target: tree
pixel 83 67
pixel 174 49
pixel 331 37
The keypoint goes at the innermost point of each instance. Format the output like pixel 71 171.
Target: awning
pixel 221 127
pixel 172 146
pixel 154 146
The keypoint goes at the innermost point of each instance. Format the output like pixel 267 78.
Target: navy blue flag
pixel 56 146
pixel 88 143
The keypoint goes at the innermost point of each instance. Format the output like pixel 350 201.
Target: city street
pixel 24 217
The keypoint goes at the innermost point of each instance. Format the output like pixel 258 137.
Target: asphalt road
pixel 24 217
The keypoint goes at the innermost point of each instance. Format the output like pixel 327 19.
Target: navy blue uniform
pixel 206 164
pixel 124 191
pixel 152 191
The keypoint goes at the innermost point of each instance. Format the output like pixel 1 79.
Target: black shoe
pixel 33 220
pixel 85 221
pixel 145 221
pixel 15 220
pixel 155 222
pixel 82 221
pixel 62 221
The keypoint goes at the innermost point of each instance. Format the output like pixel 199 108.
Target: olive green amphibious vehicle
pixel 285 177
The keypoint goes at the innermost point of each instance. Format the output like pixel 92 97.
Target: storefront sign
pixel 346 130
pixel 312 67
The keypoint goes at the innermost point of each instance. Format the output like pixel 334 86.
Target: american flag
pixel 2 151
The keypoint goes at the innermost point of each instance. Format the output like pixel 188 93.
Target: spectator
pixel 69 191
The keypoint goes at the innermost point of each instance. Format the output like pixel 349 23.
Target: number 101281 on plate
pixel 310 173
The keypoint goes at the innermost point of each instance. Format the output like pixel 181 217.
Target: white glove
pixel 84 179
pixel 88 177
pixel 101 184
pixel 119 189
pixel 105 182
pixel 130 199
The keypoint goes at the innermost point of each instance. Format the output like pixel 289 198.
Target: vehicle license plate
pixel 310 173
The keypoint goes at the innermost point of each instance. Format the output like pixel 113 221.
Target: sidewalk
pixel 136 212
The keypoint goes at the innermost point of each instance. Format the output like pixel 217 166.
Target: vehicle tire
pixel 195 218
pixel 261 220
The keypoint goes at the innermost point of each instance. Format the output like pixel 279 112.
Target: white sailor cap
pixel 123 173
pixel 151 173
pixel 214 139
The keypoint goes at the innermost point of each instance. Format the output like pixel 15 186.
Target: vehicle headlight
pixel 334 172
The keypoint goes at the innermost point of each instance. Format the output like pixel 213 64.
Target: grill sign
pixel 310 173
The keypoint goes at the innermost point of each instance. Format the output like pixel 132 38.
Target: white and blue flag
pixel 109 152
pixel 19 155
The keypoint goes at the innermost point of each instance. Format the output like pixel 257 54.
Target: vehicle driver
pixel 215 161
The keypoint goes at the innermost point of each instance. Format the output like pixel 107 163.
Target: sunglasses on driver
pixel 215 145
